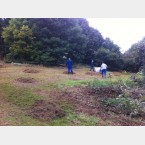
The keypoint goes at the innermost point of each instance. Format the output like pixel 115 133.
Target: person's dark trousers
pixel 92 68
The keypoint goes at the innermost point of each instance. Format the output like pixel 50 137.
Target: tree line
pixel 134 58
pixel 49 41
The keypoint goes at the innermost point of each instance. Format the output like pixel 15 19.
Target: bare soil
pixel 46 111
pixel 65 72
pixel 2 66
pixel 26 80
pixel 89 101
pixel 91 73
pixel 31 71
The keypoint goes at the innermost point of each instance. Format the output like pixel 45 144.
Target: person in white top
pixel 104 70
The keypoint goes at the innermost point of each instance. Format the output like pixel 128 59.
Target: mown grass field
pixel 21 86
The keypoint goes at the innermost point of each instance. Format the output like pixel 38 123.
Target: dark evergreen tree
pixel 134 58
pixel 3 47
pixel 49 40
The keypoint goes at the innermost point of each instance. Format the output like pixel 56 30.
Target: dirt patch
pixel 83 99
pixel 75 79
pixel 123 120
pixel 91 73
pixel 31 71
pixel 2 66
pixel 46 111
pixel 65 72
pixel 50 92
pixel 106 92
pixel 26 80
pixel 89 101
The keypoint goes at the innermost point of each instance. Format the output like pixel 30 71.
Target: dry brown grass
pixel 41 81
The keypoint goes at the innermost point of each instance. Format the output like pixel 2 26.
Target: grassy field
pixel 48 96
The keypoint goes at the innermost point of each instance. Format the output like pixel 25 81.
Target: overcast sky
pixel 122 31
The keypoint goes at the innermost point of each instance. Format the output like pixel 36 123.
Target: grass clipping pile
pixel 130 102
pixel 31 71
pixel 103 102
pixel 66 72
pixel 46 111
pixel 26 80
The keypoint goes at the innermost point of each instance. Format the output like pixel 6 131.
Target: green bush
pixel 122 105
pixel 144 74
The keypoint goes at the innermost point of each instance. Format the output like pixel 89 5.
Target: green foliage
pixel 23 120
pixel 19 37
pixel 130 83
pixel 111 57
pixel 73 83
pixel 3 46
pixel 134 58
pixel 112 82
pixel 46 41
pixel 143 71
pixel 123 104
pixel 102 83
pixel 75 119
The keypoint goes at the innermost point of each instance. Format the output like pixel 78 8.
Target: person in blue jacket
pixel 69 65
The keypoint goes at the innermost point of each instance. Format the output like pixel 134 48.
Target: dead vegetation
pixel 91 73
pixel 31 71
pixel 2 66
pixel 46 111
pixel 26 80
pixel 91 102
pixel 65 72
pixel 117 104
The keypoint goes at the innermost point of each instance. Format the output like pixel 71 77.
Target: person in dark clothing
pixel 92 65
pixel 69 65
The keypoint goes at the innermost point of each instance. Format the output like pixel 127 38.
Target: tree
pixel 64 36
pixel 3 46
pixel 112 59
pixel 19 37
pixel 95 41
pixel 134 58
pixel 49 40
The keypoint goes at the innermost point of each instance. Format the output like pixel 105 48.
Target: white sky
pixel 122 31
